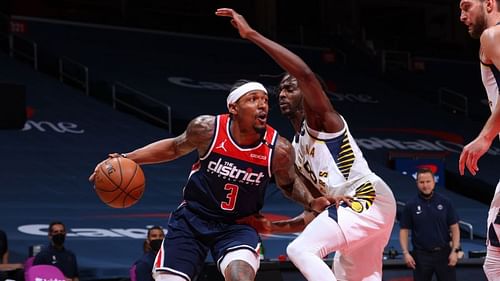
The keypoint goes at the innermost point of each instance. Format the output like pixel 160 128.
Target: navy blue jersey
pixel 229 181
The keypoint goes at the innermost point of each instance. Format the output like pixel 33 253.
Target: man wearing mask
pixel 56 254
pixel 144 265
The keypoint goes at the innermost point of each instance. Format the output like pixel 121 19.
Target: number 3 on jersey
pixel 231 197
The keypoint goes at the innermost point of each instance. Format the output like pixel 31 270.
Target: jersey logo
pixel 228 170
pixel 419 210
pixel 221 145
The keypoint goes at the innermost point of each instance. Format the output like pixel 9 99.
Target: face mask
pixel 58 239
pixel 155 244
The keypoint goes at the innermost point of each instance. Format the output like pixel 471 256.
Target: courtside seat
pixel 44 272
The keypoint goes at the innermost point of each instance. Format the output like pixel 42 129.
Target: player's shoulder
pixel 283 145
pixel 202 120
pixel 201 124
pixel 490 35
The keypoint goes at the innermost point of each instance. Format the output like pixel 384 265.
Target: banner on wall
pixel 410 166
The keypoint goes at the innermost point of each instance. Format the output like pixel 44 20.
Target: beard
pixel 479 27
pixel 260 130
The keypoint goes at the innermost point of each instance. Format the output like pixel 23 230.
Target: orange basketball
pixel 119 182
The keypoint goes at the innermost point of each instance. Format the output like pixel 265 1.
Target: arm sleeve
pixel 39 259
pixel 405 219
pixel 143 271
pixel 452 216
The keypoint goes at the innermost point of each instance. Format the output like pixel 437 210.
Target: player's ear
pixel 232 108
pixel 489 5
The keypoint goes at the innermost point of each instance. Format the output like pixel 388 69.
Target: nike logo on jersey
pixel 230 170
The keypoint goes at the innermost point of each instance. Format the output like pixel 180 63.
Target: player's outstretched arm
pixel 316 100
pixel 473 151
pixel 196 136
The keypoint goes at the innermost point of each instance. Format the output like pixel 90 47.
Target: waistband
pixel 435 249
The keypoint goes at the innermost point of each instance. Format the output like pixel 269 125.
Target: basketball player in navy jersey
pixel 238 153
pixel 482 17
pixel 328 157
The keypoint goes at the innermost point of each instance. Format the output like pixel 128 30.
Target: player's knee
pixel 239 270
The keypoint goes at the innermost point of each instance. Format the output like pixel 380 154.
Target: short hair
pixel 238 84
pixel 322 82
pixel 425 171
pixel 153 228
pixel 54 223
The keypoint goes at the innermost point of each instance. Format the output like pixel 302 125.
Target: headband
pixel 237 93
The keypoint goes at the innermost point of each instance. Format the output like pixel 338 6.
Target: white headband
pixel 237 93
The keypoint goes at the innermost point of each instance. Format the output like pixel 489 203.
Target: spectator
pixel 8 270
pixel 144 265
pixel 430 217
pixel 56 254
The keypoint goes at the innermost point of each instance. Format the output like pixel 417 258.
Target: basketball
pixel 119 182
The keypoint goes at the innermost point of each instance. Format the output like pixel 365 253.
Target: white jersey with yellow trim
pixel 358 233
pixel 332 161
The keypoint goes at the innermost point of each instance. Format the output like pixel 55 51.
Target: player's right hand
pixel 258 221
pixel 471 153
pixel 237 20
pixel 319 204
pixel 111 155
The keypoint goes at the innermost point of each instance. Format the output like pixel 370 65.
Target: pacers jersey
pixel 491 79
pixel 334 163
pixel 229 181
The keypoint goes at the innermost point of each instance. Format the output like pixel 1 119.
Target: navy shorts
pixel 189 237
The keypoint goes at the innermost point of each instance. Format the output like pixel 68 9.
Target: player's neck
pixel 244 137
pixel 296 120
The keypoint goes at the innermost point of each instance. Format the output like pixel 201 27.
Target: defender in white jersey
pixel 332 164
pixel 482 17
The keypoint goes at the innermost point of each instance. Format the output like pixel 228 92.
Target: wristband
pixel 124 155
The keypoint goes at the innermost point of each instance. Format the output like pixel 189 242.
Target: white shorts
pixel 359 256
pixel 492 216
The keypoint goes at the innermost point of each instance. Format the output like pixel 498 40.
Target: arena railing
pixel 453 100
pixel 390 59
pixel 71 70
pixel 21 47
pixel 119 87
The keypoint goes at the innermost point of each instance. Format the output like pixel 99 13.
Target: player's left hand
pixel 258 221
pixel 111 155
pixel 319 204
pixel 471 153
pixel 237 20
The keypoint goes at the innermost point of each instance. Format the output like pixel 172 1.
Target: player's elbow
pixel 306 75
